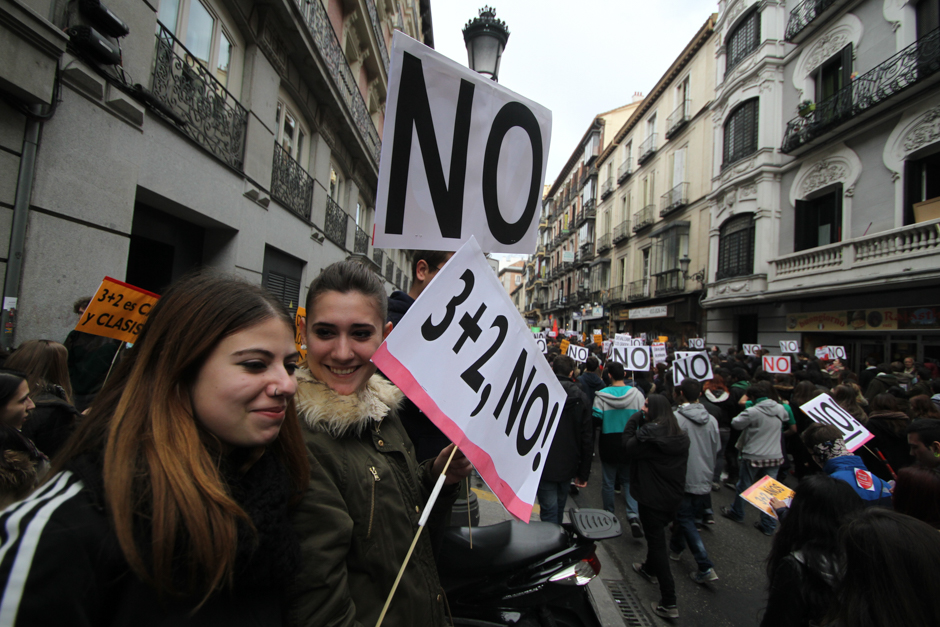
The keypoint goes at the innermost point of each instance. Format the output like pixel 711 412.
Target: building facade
pixel 234 134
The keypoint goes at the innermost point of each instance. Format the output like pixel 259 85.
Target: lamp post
pixel 684 268
pixel 485 38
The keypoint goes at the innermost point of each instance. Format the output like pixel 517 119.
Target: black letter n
pixel 413 109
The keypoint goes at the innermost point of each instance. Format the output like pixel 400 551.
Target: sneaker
pixel 700 577
pixel 727 513
pixel 666 611
pixel 573 490
pixel 674 556
pixel 708 519
pixel 760 528
pixel 617 489
pixel 635 528
pixel 716 486
pixel 638 567
pixel 732 485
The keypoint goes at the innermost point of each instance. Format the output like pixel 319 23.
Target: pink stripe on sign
pixel 856 444
pixel 402 377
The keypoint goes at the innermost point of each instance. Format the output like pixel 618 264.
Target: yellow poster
pixel 300 321
pixel 882 319
pixel 564 347
pixel 598 338
pixel 762 491
pixel 117 310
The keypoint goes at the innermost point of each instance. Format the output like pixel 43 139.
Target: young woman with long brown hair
pixel 170 503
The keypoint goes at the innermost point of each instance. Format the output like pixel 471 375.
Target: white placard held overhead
pixel 826 410
pixel 606 346
pixel 698 343
pixel 789 346
pixel 822 352
pixel 542 344
pixel 776 364
pixel 751 349
pixel 579 354
pixel 461 155
pixel 696 366
pixel 659 353
pixel 622 339
pixel 836 352
pixel 467 360
pixel 635 358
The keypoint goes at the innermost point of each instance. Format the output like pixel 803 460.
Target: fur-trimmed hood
pixel 322 409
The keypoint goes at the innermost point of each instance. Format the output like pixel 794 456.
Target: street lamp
pixel 485 38
pixel 684 267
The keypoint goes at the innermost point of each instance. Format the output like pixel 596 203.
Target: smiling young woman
pixel 366 490
pixel 170 503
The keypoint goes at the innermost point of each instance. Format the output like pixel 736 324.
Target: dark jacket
pixel 77 573
pixel 591 383
pixel 890 431
pixel 51 423
pixel 398 304
pixel 90 358
pixel 572 448
pixel 658 464
pixel 883 382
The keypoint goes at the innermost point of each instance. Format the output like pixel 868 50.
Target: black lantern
pixel 485 38
pixel 684 263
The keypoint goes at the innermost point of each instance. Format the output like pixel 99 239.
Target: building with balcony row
pixel 234 134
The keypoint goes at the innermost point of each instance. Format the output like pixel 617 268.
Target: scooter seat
pixel 510 544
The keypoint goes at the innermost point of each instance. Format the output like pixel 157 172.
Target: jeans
pixel 720 461
pixel 613 472
pixel 747 477
pixel 552 497
pixel 657 560
pixel 686 532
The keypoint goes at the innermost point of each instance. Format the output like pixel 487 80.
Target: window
pixel 818 221
pixel 518 279
pixel 922 182
pixel 669 247
pixel 291 135
pixel 740 133
pixel 736 247
pixel 742 41
pixel 334 184
pixel 200 29
pixel 928 17
pixel 834 74
pixel 281 275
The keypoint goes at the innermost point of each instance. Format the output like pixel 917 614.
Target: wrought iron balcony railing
pixel 669 282
pixel 398 277
pixel 647 149
pixel 615 294
pixel 643 218
pixel 335 224
pixel 608 187
pixel 624 171
pixel 389 269
pixel 587 252
pixel 603 243
pixel 678 118
pixel 361 247
pixel 915 63
pixel 290 184
pixel 377 31
pixel 213 117
pixel 802 15
pixel 675 199
pixel 318 22
pixel 377 254
pixel 638 290
pixel 621 231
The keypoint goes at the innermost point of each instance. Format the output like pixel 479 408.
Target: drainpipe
pixel 24 191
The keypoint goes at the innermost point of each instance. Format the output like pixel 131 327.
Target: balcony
pixel 669 282
pixel 644 218
pixel 912 65
pixel 899 253
pixel 540 251
pixel 389 269
pixel 290 184
pixel 208 114
pixel 675 199
pixel 587 212
pixel 587 252
pixel 566 267
pixel 678 118
pixel 621 232
pixel 335 225
pixel 582 296
pixel 638 290
pixel 603 243
pixel 377 255
pixel 398 278
pixel 615 295
pixel 624 171
pixel 607 188
pixel 803 15
pixel 361 246
pixel 647 149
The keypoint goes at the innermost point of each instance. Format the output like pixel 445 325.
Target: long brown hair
pixel 45 363
pixel 158 462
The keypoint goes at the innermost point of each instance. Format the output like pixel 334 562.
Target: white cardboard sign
pixel 659 353
pixel 776 364
pixel 698 343
pixel 789 346
pixel 465 357
pixel 684 354
pixel 579 354
pixel 696 366
pixel 461 155
pixel 635 358
pixel 824 409
pixel 542 344
pixel 751 349
pixel 622 339
pixel 836 352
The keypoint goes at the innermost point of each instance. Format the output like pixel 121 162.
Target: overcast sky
pixel 577 63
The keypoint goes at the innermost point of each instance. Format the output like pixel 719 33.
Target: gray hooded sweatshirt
pixel 704 443
pixel 762 425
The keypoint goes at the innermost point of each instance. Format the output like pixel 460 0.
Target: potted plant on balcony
pixel 805 108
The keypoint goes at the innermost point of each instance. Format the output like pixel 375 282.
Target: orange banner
pixel 118 311
pixel 564 347
pixel 300 321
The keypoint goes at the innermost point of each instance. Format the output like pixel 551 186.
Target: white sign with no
pixel 824 409
pixel 776 364
pixel 696 366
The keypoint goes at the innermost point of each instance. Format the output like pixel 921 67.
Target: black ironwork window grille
pixel 213 117
pixel 736 247
pixel 389 269
pixel 398 277
pixel 290 184
pixel 335 226
pixel 361 247
pixel 377 257
pixel 801 16
pixel 740 133
pixel 742 41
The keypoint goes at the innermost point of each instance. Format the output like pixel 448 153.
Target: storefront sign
pixel 648 312
pixel 567 256
pixel 881 319
pixel 592 313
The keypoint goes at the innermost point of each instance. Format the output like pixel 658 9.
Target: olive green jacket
pixel 360 513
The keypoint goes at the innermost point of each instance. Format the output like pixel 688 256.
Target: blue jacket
pixel 844 468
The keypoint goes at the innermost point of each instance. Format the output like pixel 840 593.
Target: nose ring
pixel 275 392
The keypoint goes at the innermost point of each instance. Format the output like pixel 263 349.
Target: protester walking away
pixel 659 452
pixel 572 447
pixel 892 563
pixel 589 381
pixel 170 503
pixel 804 564
pixel 90 360
pixel 22 465
pixel 917 494
pixel 614 406
pixel 54 418
pixel 760 426
pixel 717 400
pixel 827 447
pixel 923 437
pixel 704 444
pixel 889 426
pixel 366 490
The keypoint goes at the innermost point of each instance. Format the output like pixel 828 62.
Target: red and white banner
pixel 466 358
pixel 776 364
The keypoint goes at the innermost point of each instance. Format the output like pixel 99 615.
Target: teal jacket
pixel 613 406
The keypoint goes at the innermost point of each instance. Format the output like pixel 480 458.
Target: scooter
pixel 525 575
